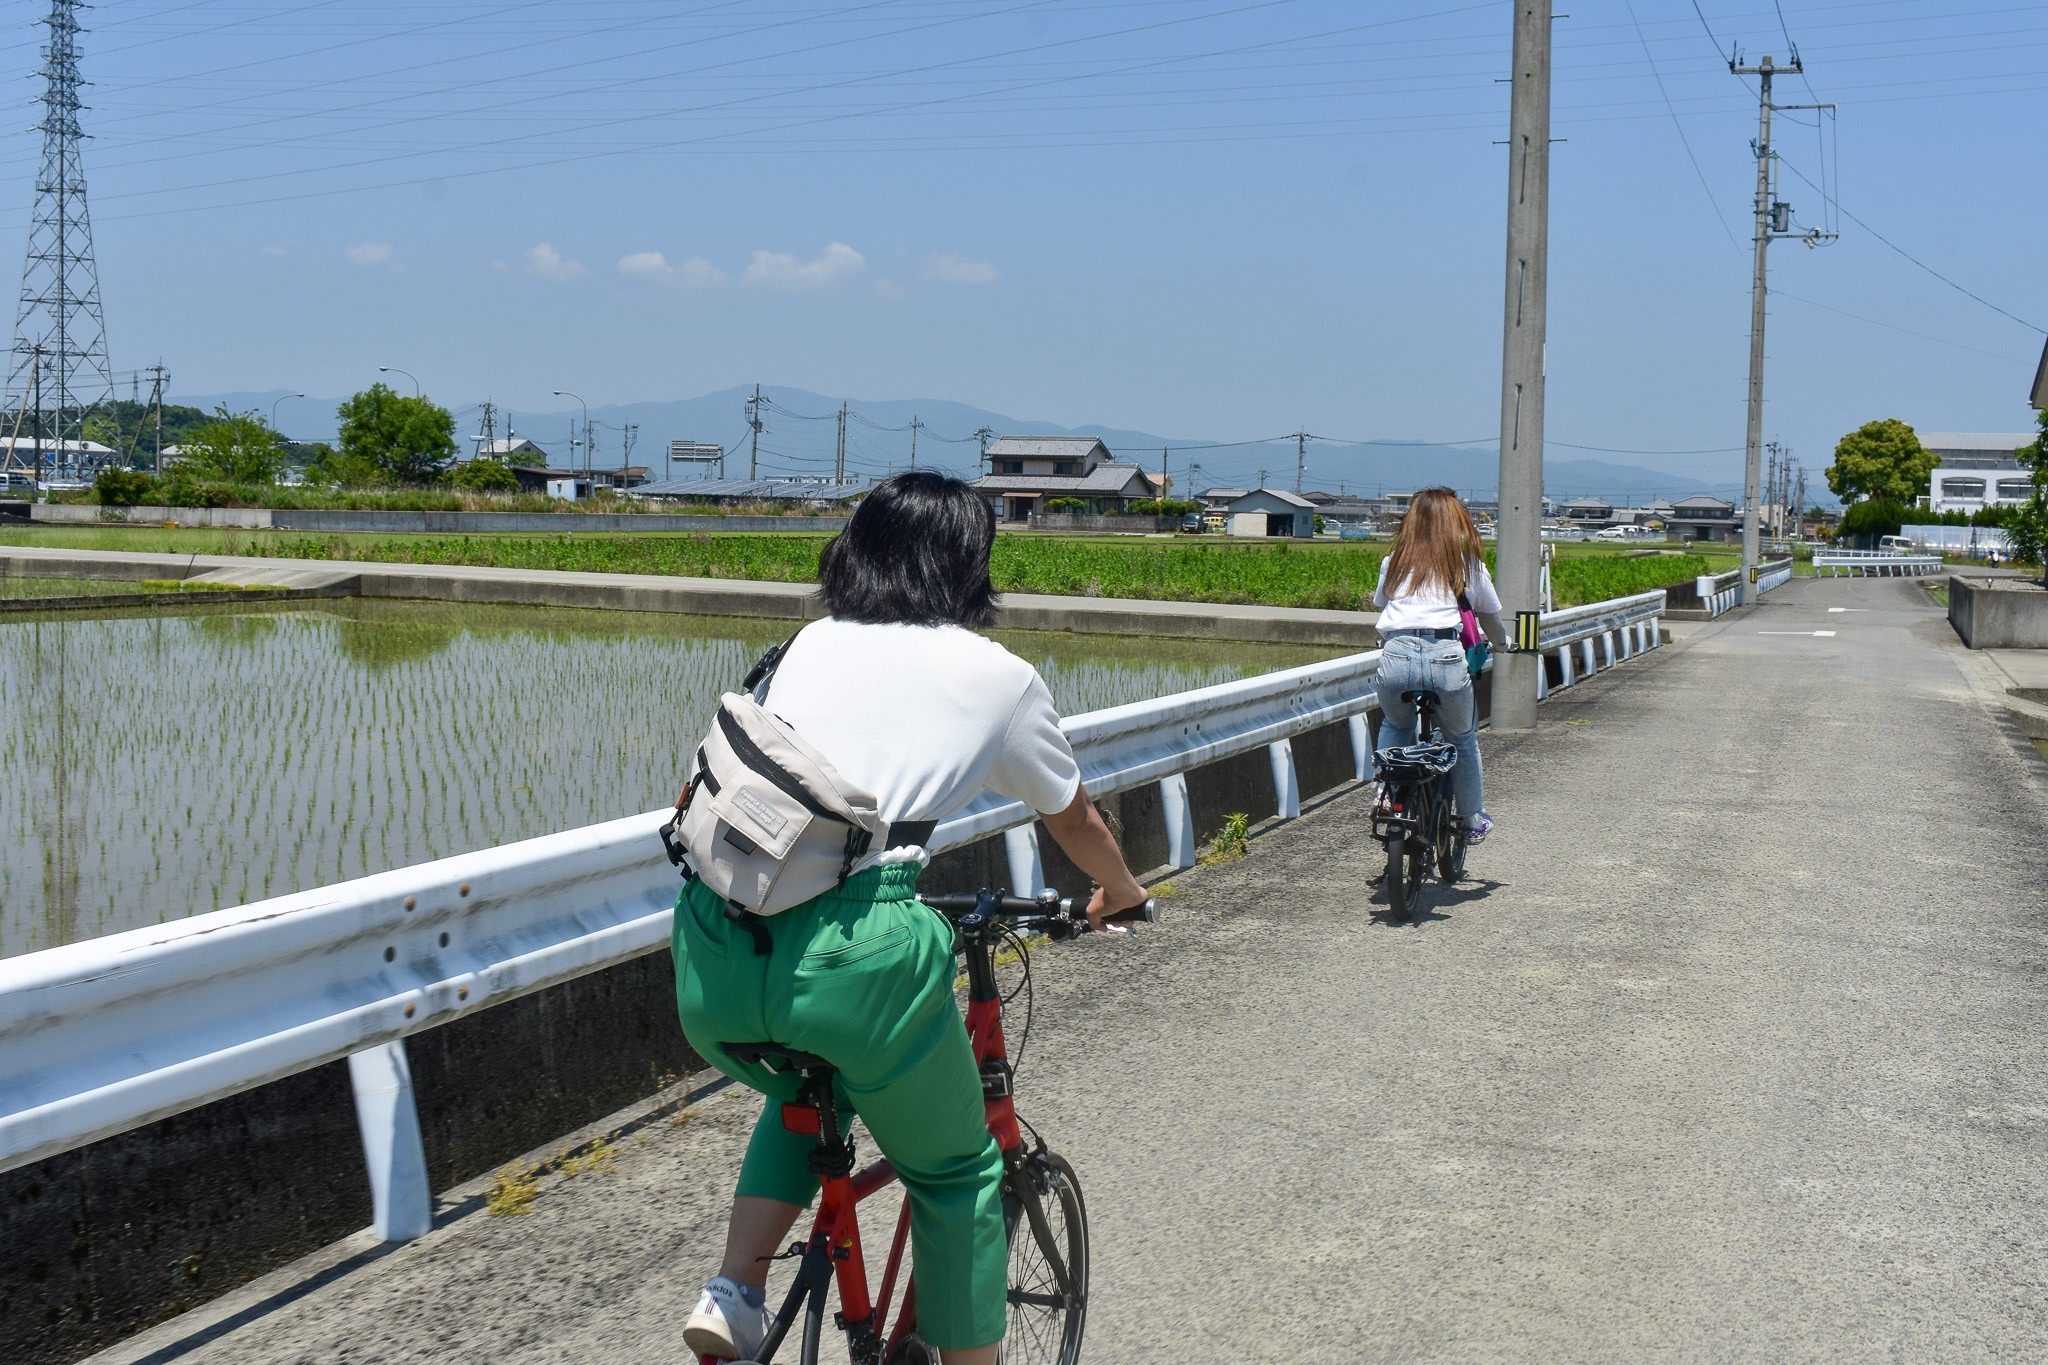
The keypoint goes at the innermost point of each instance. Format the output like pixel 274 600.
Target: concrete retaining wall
pixel 1998 613
pixel 1081 521
pixel 98 1243
pixel 442 523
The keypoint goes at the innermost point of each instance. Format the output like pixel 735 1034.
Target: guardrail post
pixel 1361 747
pixel 1607 648
pixel 1586 645
pixel 1027 873
pixel 402 1205
pixel 1286 788
pixel 1180 820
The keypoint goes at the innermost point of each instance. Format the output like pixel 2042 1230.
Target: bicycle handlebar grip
pixel 1148 913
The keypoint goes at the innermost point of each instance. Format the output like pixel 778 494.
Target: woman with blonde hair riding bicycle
pixel 1434 569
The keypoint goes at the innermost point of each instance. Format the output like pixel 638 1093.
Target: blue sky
pixel 1218 219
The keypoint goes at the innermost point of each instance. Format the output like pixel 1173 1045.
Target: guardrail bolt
pixel 411 901
pixel 463 889
pixel 391 954
pixel 444 938
pixel 409 1007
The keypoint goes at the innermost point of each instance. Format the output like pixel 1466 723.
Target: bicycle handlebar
pixel 1048 911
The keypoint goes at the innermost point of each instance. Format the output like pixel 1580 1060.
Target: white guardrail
pixel 1722 592
pixel 105 1035
pixel 1874 564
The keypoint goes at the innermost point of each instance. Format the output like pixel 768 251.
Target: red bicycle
pixel 1046 1222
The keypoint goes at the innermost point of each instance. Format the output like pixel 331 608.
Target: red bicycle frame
pixel 834 1239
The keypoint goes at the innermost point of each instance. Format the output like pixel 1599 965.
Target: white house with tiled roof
pixel 1026 471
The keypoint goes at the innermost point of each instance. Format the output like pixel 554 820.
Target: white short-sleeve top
pixel 925 717
pixel 1433 606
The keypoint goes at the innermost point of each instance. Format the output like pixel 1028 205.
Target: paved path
pixel 1739 1047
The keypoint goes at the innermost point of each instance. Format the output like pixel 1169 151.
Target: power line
pixel 1911 257
pixel 1683 140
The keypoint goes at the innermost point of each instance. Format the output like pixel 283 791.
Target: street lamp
pixel 393 369
pixel 588 477
pixel 273 407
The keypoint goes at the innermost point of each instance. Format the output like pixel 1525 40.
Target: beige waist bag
pixel 765 821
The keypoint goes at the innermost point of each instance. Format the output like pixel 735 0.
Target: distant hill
pixel 802 429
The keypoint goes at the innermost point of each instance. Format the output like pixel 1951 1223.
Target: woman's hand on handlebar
pixel 1101 905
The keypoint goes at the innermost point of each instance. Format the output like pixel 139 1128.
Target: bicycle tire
pixel 1045 1324
pixel 1450 841
pixel 1400 892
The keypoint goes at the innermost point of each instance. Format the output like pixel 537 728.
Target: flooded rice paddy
pixel 157 765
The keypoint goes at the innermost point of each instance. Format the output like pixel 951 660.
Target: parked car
pixel 1613 533
pixel 1897 545
pixel 1192 523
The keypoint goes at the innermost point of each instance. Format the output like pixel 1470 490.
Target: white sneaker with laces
pixel 723 1325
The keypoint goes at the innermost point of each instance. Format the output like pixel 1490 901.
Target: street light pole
pixel 273 407
pixel 589 479
pixel 393 369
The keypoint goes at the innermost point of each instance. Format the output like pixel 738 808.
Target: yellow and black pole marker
pixel 1529 630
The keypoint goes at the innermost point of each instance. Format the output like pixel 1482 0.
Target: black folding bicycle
pixel 1419 821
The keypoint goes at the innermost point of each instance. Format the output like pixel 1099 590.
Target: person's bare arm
pixel 1493 625
pixel 1080 832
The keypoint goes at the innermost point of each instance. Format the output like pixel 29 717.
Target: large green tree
pixel 235 447
pixel 404 440
pixel 1882 459
pixel 2027 525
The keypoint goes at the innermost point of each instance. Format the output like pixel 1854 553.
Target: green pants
pixel 863 977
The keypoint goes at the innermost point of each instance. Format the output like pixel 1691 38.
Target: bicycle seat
pixel 776 1057
pixel 1416 696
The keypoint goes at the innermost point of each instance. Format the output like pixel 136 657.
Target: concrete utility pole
pixel 1519 549
pixel 1773 219
pixel 839 453
pixel 754 435
pixel 1164 480
pixel 914 425
pixel 157 375
pixel 984 435
pixel 1300 459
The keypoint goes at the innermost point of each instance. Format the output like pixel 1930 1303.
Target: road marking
pixel 1833 610
pixel 1824 634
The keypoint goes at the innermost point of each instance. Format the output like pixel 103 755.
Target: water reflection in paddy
pixel 157 765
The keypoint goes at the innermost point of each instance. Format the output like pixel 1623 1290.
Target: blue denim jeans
pixel 1408 662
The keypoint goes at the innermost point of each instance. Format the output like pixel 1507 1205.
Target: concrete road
pixel 1737 1045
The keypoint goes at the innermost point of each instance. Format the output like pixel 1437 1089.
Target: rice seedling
pixel 157 767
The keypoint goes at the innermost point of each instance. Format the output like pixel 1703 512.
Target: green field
pixel 1270 573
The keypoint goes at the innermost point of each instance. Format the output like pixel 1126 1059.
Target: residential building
pixel 1595 510
pixel 1703 517
pixel 1027 471
pixel 513 450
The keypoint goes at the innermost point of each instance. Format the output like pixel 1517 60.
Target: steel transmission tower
pixel 58 318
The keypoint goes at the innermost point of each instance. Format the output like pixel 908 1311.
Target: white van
pixel 1897 545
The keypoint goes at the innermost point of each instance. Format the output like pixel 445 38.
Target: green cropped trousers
pixel 863 977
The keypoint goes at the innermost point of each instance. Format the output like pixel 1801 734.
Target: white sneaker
pixel 723 1325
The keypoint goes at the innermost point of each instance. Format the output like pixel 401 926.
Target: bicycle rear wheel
pixel 1048 1228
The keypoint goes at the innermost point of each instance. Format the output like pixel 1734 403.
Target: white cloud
pixel 953 268
pixel 271 250
pixel 694 273
pixel 780 270
pixel 888 289
pixel 368 254
pixel 647 265
pixel 543 261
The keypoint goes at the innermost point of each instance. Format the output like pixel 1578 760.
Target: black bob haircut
pixel 915 552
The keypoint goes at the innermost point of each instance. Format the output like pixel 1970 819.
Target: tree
pixel 2027 527
pixel 1881 459
pixel 235 447
pixel 398 439
pixel 1871 518
pixel 485 475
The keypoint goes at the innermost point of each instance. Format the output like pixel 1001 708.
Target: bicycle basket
pixel 1413 761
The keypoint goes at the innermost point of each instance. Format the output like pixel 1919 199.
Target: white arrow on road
pixel 1833 610
pixel 1821 633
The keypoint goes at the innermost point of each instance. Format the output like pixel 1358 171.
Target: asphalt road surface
pixel 1735 1045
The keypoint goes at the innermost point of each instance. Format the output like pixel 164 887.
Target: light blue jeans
pixel 1408 662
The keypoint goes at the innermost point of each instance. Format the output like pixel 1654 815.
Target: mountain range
pixel 801 431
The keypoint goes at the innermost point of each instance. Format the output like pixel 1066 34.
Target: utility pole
pixel 1300 459
pixel 1773 219
pixel 36 381
pixel 1165 480
pixel 914 425
pixel 1262 478
pixel 628 433
pixel 1519 552
pixel 754 435
pixel 157 376
pixel 984 435
pixel 839 452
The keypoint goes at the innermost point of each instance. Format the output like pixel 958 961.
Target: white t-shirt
pixel 925 718
pixel 1433 606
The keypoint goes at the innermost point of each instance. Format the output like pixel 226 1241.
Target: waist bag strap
pixel 751 922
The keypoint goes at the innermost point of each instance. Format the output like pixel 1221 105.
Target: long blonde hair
pixel 1436 540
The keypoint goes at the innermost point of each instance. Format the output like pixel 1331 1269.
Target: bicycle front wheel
pixel 1048 1228
pixel 1450 841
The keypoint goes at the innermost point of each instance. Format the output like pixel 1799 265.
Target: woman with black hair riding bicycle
pixel 907 702
pixel 1434 570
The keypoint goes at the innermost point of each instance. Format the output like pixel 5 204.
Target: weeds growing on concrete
pixel 1230 841
pixel 513 1190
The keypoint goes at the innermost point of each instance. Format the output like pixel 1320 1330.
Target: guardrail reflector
pixel 1528 630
